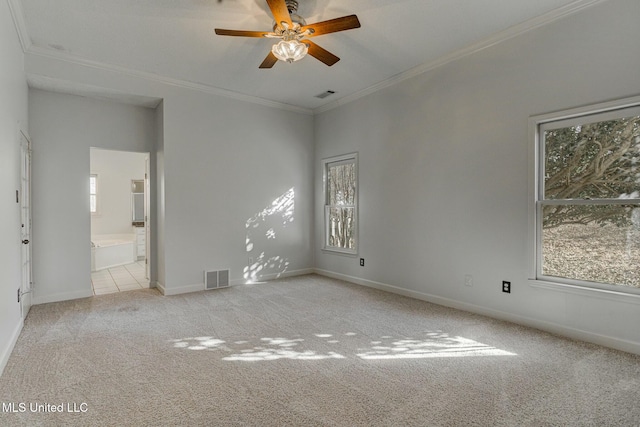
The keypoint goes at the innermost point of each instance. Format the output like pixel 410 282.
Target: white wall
pixel 115 170
pixel 225 162
pixel 63 128
pixel 444 171
pixel 13 118
pixel 220 162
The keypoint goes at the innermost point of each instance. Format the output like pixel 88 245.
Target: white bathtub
pixel 111 251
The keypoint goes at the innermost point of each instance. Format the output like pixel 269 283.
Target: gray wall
pixel 443 162
pixel 63 129
pixel 13 118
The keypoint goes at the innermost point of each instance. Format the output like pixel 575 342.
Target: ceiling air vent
pixel 325 94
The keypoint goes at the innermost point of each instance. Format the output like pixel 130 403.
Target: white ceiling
pixel 174 39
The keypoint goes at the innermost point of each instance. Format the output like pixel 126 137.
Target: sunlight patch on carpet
pixel 436 345
pixel 433 345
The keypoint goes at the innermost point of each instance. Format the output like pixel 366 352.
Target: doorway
pixel 120 220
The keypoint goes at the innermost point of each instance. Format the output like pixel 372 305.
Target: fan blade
pixel 269 61
pixel 332 25
pixel 280 12
pixel 241 33
pixel 321 54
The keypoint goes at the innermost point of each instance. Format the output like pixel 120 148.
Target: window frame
pixel 326 162
pixel 555 120
pixel 96 194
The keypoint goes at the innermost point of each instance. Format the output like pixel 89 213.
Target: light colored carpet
pixel 306 351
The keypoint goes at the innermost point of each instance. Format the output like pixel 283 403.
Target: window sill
pixel 339 252
pixel 610 295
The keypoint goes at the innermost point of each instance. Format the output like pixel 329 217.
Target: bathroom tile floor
pixel 117 279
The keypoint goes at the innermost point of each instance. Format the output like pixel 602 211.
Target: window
pixel 341 203
pixel 93 194
pixel 587 218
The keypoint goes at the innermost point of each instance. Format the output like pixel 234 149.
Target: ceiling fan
pixel 294 32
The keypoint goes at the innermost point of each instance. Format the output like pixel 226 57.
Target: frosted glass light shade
pixel 289 51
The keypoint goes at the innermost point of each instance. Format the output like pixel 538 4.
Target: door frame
pixel 26 284
pixel 147 216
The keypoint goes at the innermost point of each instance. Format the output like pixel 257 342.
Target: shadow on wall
pixel 262 230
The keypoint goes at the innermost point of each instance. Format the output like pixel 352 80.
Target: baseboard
pixel 64 296
pixel 160 287
pixel 554 328
pixel 197 287
pixel 185 289
pixel 6 352
pixel 273 276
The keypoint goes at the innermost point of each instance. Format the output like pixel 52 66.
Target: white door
pixel 25 234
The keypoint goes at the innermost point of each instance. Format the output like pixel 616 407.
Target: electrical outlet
pixel 250 261
pixel 468 280
pixel 506 287
pixel 361 262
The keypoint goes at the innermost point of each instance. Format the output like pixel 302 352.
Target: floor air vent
pixel 216 279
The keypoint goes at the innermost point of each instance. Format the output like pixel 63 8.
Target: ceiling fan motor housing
pixel 292 5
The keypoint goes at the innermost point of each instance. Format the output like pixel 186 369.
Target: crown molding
pixel 492 40
pixel 77 60
pixel 17 14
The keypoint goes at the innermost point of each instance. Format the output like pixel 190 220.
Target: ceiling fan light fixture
pixel 289 50
pixel 293 30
